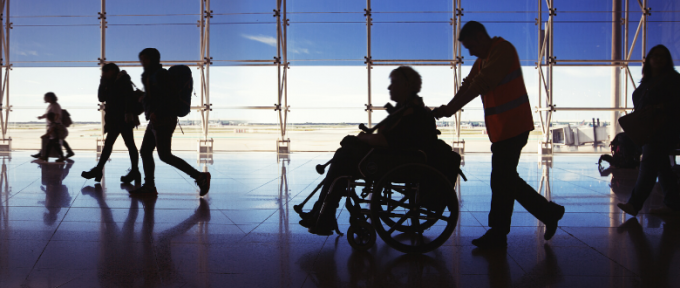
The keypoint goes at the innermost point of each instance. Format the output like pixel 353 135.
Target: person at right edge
pixel 161 101
pixel 497 76
pixel 660 86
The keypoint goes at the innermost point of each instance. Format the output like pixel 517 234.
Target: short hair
pixel 152 54
pixel 51 95
pixel 410 75
pixel 470 30
pixel 110 67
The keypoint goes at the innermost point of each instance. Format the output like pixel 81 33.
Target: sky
pixel 327 44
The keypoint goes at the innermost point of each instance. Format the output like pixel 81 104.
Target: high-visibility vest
pixel 507 112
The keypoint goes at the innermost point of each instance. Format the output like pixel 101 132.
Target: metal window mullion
pixel 285 69
pixel 3 86
pixel 207 70
pixel 102 58
pixel 550 67
pixel 369 63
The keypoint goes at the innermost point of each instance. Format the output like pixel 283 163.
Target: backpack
pixel 625 154
pixel 183 85
pixel 66 118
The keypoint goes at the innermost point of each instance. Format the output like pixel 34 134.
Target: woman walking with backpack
pixel 57 112
pixel 116 90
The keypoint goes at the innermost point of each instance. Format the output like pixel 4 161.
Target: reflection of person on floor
pixel 653 269
pixel 660 86
pixel 122 259
pixel 55 109
pixel 56 193
pixel 497 76
pixel 412 129
pixel 545 273
pixel 120 118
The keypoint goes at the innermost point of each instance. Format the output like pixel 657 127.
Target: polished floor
pixel 60 230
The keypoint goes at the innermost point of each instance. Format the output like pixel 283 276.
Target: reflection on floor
pixel 59 230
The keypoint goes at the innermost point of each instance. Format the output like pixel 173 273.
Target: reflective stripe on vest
pixel 507 106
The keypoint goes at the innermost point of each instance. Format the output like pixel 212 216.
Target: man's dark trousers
pixel 507 186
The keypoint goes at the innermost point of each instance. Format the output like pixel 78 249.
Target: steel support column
pixel 205 145
pixel 616 70
pixel 369 61
pixel 102 62
pixel 283 144
pixel 457 22
pixel 5 107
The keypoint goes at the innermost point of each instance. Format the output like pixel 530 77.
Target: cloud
pixel 27 53
pixel 269 40
pixel 299 51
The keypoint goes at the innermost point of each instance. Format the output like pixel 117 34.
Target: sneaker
pixel 145 190
pixel 203 183
pixel 551 224
pixel 491 240
pixel 69 155
pixel 628 208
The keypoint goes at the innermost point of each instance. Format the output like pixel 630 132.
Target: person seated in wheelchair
pixel 410 126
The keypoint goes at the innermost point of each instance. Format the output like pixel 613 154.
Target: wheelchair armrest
pixel 380 161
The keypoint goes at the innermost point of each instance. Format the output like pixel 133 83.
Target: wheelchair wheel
pixel 361 236
pixel 405 227
pixel 414 208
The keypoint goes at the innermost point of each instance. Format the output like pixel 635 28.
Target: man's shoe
pixel 145 190
pixel 628 208
pixel 551 224
pixel 37 155
pixel 133 175
pixel 491 240
pixel 60 160
pixel 69 155
pixel 203 183
pixel 93 173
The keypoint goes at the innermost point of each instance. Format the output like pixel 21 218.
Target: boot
pixel 133 175
pixel 95 173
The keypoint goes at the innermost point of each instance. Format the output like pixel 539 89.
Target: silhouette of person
pixel 145 267
pixel 159 101
pixel 659 87
pixel 412 129
pixel 55 109
pixel 56 193
pixel 497 76
pixel 56 132
pixel 653 267
pixel 116 90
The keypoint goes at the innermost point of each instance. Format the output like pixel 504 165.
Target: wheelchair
pixel 411 205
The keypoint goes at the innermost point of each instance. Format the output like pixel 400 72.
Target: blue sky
pixel 319 36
